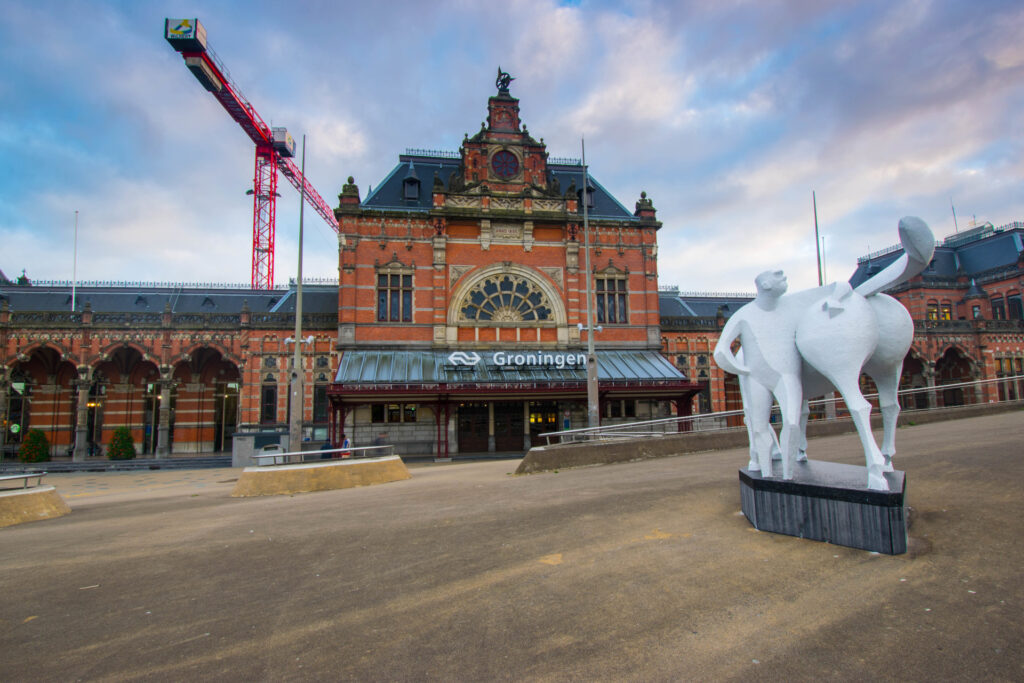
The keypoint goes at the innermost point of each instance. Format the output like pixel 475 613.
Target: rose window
pixel 505 299
pixel 505 164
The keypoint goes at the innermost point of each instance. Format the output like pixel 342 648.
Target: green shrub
pixel 121 445
pixel 35 447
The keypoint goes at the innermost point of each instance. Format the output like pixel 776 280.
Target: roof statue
pixel 798 346
pixel 502 81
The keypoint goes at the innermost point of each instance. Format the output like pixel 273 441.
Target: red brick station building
pixel 457 324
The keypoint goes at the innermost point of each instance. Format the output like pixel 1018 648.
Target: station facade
pixel 457 324
pixel 463 298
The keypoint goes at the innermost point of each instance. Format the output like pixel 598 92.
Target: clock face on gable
pixel 505 164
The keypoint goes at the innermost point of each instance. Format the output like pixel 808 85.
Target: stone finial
pixel 349 193
pixel 644 207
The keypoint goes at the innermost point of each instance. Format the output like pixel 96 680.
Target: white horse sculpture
pixel 799 346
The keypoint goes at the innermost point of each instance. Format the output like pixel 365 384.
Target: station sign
pixel 521 359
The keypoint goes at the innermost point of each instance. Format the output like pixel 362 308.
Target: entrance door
pixel 472 427
pixel 225 415
pixel 543 418
pixel 151 418
pixel 508 425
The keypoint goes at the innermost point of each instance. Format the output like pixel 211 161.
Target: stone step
pixel 104 465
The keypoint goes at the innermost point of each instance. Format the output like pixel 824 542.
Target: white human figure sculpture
pixel 798 346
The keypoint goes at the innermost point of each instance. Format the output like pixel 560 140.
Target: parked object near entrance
pixel 799 346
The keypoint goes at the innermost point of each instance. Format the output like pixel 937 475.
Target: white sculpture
pixel 798 346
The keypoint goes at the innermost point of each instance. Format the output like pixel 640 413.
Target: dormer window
pixel 411 184
pixel 590 195
pixel 208 303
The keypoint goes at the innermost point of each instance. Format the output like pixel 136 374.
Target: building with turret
pixel 458 323
pixel 462 302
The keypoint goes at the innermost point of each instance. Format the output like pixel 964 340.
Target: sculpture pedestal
pixel 827 501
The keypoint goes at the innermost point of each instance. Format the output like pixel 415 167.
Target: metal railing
pixel 733 419
pixel 297 457
pixel 151 284
pixel 704 294
pixel 432 153
pixel 23 478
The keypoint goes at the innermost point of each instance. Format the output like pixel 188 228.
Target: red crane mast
pixel 274 146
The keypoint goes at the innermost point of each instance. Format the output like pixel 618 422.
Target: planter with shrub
pixel 35 447
pixel 121 445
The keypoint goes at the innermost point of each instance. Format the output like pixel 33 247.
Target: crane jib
pixel 188 37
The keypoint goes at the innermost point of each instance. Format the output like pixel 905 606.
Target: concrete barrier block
pixel 319 476
pixel 30 505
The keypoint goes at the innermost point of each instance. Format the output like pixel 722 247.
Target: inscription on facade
pixel 507 231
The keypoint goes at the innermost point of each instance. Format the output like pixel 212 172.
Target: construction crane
pixel 274 146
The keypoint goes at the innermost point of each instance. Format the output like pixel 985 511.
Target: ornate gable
pixel 502 158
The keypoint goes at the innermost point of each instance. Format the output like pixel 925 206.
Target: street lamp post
pixel 593 417
pixel 297 385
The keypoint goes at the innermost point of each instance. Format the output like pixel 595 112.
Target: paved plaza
pixel 643 571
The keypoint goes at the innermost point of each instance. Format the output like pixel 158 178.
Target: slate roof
pixel 185 299
pixel 390 195
pixel 432 367
pixel 959 255
pixel 700 306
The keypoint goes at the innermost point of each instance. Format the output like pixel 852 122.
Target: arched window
pixel 1014 307
pixel 505 298
pixel 998 308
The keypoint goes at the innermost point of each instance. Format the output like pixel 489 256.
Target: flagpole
pixel 74 266
pixel 817 239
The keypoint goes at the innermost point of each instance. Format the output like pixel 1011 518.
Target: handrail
pixel 293 457
pixel 38 476
pixel 717 421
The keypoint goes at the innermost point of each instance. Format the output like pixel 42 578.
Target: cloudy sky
pixel 729 113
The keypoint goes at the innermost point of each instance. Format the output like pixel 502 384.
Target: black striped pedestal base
pixel 828 501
